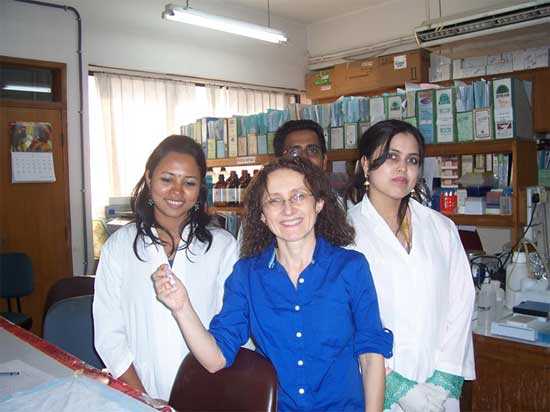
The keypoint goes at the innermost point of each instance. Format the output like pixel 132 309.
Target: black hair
pixel 295 126
pixel 380 135
pixel 144 216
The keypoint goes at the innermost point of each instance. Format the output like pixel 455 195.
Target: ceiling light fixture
pixel 186 14
pixel 22 88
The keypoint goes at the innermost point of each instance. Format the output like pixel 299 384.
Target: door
pixel 34 217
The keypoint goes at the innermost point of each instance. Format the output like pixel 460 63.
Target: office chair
pixel 68 288
pixel 69 325
pixel 250 384
pixel 16 281
pixel 470 240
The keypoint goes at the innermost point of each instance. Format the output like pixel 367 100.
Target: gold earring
pixel 367 183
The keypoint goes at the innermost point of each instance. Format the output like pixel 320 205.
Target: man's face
pixel 305 143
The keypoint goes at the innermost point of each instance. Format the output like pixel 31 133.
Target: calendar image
pixel 31 152
pixel 31 136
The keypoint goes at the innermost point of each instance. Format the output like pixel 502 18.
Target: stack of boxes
pixel 442 68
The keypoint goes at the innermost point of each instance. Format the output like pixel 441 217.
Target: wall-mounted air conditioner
pixel 450 30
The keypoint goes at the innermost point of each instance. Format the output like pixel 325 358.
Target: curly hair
pixel 331 221
pixel 144 216
pixel 378 136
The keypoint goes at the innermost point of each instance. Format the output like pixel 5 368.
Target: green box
pixel 465 126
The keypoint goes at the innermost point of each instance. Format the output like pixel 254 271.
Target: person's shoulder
pixel 439 219
pixel 355 210
pixel 122 235
pixel 345 253
pixel 221 236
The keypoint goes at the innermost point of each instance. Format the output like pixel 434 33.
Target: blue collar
pixel 268 257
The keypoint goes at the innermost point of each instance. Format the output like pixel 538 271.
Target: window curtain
pixel 130 115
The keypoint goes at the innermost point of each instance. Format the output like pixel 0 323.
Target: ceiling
pixel 308 11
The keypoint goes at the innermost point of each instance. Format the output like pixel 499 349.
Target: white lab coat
pixel 132 326
pixel 426 297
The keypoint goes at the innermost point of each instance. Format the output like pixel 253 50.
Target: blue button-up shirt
pixel 312 333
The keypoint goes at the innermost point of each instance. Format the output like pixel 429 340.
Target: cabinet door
pixel 34 217
pixel 510 376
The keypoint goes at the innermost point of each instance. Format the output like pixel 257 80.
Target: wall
pixel 131 34
pixel 384 21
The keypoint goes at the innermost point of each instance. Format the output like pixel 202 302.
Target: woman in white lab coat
pixel 420 270
pixel 136 336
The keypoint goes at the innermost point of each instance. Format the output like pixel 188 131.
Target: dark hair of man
pixel 144 216
pixel 296 126
pixel 380 135
pixel 331 221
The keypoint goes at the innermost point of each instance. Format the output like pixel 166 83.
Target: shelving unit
pixel 523 154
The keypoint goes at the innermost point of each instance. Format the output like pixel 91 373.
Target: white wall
pixel 385 21
pixel 131 34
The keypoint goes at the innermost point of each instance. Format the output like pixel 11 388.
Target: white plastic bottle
pixel 515 272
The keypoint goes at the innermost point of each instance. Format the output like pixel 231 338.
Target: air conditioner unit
pixel 450 30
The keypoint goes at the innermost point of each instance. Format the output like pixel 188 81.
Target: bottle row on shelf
pixel 224 192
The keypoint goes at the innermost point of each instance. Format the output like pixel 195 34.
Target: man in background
pixel 304 138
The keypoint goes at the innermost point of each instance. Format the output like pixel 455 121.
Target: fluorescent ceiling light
pixel 188 15
pixel 21 88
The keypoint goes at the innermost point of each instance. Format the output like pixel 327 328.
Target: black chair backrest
pixel 68 288
pixel 69 325
pixel 16 276
pixel 250 384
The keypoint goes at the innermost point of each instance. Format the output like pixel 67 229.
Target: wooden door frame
pixel 59 103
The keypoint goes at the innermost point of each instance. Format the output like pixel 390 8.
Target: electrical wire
pixel 511 252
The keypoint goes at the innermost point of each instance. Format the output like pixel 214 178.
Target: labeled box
pixel 425 101
pixel 512 108
pixel 445 115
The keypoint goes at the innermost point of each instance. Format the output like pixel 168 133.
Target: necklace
pixel 405 230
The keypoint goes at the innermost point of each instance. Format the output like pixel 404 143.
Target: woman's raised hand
pixel 169 289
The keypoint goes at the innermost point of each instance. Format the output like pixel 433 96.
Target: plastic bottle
pixel 516 270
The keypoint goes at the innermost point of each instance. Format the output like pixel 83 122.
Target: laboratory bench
pixel 512 375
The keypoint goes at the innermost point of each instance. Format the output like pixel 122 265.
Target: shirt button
pixel 301 391
pixel 298 334
pixel 300 280
pixel 297 308
pixel 300 363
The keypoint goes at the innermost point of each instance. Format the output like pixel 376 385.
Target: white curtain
pixel 130 115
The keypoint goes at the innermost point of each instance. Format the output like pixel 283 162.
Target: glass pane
pixel 25 83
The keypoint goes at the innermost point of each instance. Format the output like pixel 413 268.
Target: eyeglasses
pixel 278 203
pixel 311 150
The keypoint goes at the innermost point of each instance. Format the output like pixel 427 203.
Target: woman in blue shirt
pixel 309 305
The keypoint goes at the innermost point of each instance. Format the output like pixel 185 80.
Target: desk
pixel 19 344
pixel 512 375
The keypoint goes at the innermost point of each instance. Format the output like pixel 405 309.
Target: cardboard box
pixel 394 105
pixel 322 85
pixel 425 102
pixel 378 108
pixel 512 108
pixel 350 135
pixel 252 143
pixel 465 126
pixel 537 57
pixel 232 136
pixel 483 124
pixel 445 115
pixel 383 72
pixel 336 138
